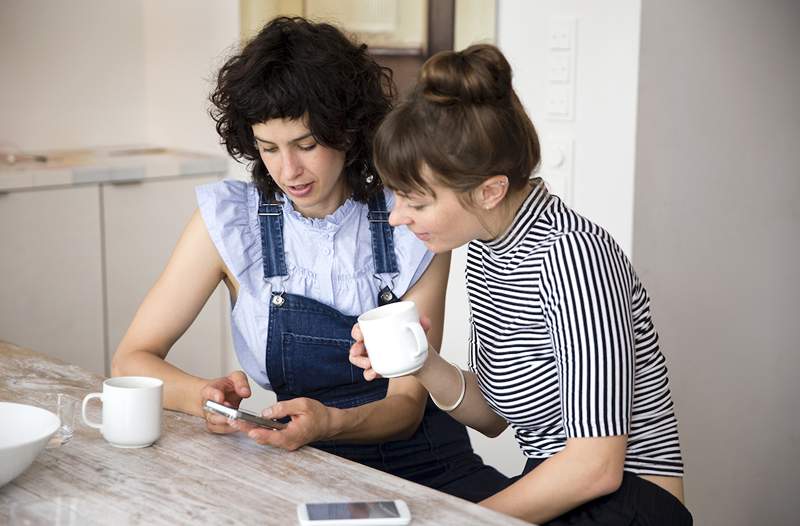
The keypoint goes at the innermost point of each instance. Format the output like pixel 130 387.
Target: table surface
pixel 190 476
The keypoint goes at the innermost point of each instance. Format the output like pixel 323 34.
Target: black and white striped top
pixel 562 338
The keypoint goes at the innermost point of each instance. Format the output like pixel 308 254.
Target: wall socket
pixel 559 67
pixel 559 101
pixel 562 33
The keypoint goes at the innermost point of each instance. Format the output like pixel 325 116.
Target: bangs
pixel 400 149
pixel 276 98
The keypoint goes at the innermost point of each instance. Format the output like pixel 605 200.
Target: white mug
pixel 394 339
pixel 131 410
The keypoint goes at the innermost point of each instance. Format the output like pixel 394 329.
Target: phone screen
pixel 325 511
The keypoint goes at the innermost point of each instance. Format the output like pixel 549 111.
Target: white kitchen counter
pixel 104 165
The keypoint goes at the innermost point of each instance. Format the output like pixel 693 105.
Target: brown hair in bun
pixel 464 121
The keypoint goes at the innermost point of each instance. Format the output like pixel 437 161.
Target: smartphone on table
pixel 241 414
pixel 373 513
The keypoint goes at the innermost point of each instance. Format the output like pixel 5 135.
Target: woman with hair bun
pixel 303 250
pixel 562 344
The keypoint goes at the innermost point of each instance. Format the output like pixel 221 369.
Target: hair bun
pixel 478 75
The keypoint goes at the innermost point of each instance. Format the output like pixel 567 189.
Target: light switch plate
pixel 561 33
pixel 559 101
pixel 559 66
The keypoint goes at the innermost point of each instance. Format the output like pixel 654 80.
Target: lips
pixel 423 236
pixel 300 190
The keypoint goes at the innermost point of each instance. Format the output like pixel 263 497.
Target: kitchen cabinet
pixel 82 240
pixel 51 291
pixel 143 221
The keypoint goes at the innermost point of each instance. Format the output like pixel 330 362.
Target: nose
pixel 292 167
pixel 397 217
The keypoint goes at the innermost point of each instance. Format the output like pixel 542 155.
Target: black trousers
pixel 637 502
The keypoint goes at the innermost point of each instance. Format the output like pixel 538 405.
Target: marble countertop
pixel 102 165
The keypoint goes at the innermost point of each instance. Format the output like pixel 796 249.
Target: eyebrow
pixel 306 136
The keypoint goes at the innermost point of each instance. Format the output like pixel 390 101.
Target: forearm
pixel 443 382
pixel 559 484
pixel 395 417
pixel 181 390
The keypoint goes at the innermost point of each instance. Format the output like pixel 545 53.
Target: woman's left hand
pixel 311 421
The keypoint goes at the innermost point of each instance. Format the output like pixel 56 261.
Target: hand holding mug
pixel 390 341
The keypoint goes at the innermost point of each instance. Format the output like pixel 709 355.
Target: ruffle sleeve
pixel 228 210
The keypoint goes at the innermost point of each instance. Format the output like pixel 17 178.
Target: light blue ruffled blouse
pixel 329 260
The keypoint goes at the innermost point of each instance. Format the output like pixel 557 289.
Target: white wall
pixel 186 41
pixel 602 134
pixel 717 242
pixel 111 72
pixel 72 74
pixel 603 129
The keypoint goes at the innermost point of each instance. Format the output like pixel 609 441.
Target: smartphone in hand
pixel 241 414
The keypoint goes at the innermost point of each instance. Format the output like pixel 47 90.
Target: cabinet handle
pixel 126 182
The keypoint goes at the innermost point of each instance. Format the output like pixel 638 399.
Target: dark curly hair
pixel 297 69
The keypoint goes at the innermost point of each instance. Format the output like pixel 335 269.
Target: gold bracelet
pixel 457 403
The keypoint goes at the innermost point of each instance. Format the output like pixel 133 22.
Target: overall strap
pixel 382 246
pixel 270 217
pixel 381 232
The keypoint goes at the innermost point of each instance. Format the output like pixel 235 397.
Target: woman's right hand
pixel 358 352
pixel 229 390
pixel 359 356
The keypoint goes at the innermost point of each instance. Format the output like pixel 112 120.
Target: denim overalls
pixel 307 354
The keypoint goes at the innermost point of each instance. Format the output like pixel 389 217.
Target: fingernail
pixel 252 434
pixel 266 413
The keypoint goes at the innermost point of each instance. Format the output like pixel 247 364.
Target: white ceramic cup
pixel 394 339
pixel 131 410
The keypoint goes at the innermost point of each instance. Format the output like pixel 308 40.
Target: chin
pixel 435 247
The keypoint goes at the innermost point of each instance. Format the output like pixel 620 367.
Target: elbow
pixel 120 363
pixel 493 432
pixel 611 483
pixel 606 480
pixel 494 427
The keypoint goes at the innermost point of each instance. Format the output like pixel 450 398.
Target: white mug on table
pixel 395 341
pixel 131 410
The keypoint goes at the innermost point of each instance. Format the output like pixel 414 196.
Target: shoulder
pixel 228 190
pixel 226 202
pixel 587 262
pixel 228 209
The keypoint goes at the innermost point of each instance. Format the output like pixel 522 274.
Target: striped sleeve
pixel 586 293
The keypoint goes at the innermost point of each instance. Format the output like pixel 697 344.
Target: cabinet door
pixel 51 291
pixel 143 222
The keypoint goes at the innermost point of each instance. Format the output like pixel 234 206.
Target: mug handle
pixel 83 409
pixel 421 339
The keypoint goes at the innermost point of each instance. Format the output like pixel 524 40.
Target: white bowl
pixel 24 432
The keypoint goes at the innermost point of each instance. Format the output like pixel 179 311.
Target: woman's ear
pixel 491 192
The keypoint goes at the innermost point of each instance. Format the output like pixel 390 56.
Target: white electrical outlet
pixel 559 101
pixel 561 34
pixel 559 67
